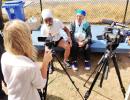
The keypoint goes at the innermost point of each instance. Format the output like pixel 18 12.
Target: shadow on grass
pixel 52 97
pixel 100 94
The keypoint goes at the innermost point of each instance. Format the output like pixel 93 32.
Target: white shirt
pixel 23 77
pixel 56 30
pixel 79 34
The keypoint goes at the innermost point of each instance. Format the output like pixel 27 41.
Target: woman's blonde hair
pixel 17 39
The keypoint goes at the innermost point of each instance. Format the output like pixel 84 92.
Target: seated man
pixel 52 27
pixel 81 38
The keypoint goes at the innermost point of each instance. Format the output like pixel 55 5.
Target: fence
pixel 96 9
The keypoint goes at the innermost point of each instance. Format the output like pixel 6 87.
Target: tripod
pixel 44 94
pixel 103 65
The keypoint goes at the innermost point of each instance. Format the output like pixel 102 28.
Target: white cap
pixel 46 13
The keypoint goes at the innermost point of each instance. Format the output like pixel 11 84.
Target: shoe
pixel 87 65
pixel 74 65
pixel 67 64
pixel 50 69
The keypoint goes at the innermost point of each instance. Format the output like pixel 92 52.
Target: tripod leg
pixel 91 75
pixel 118 74
pixel 99 63
pixel 87 94
pixel 45 89
pixel 41 94
pixel 68 75
pixel 104 71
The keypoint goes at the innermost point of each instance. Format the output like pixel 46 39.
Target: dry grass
pixel 60 87
pixel 65 11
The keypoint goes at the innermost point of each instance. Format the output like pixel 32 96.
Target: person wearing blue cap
pixel 81 38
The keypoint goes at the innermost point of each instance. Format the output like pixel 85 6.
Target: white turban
pixel 46 13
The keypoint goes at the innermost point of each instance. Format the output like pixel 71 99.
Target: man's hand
pixel 81 44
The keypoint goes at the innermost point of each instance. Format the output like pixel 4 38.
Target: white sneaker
pixel 74 65
pixel 87 68
pixel 74 68
pixel 87 65
pixel 50 69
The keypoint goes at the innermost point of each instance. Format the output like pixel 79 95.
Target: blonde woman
pixel 22 75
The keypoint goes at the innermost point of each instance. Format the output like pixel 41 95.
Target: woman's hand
pixel 47 56
pixel 46 59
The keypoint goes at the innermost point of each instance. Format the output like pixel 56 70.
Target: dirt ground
pixel 61 88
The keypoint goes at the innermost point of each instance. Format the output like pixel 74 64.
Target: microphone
pixel 112 23
pixel 122 25
pixel 107 21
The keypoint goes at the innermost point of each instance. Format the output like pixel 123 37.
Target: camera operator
pixel 81 38
pixel 52 27
pixel 2 93
pixel 21 73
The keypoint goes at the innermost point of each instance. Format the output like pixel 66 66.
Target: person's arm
pixel 46 59
pixel 69 35
pixel 88 35
pixel 38 76
pixel 67 31
pixel 72 31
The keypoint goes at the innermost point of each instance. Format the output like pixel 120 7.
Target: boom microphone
pixel 111 22
pixel 107 21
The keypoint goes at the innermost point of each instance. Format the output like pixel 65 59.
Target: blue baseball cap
pixel 80 12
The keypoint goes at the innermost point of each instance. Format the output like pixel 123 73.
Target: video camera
pixel 115 33
pixel 48 41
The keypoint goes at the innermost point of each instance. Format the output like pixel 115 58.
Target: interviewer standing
pixel 22 75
